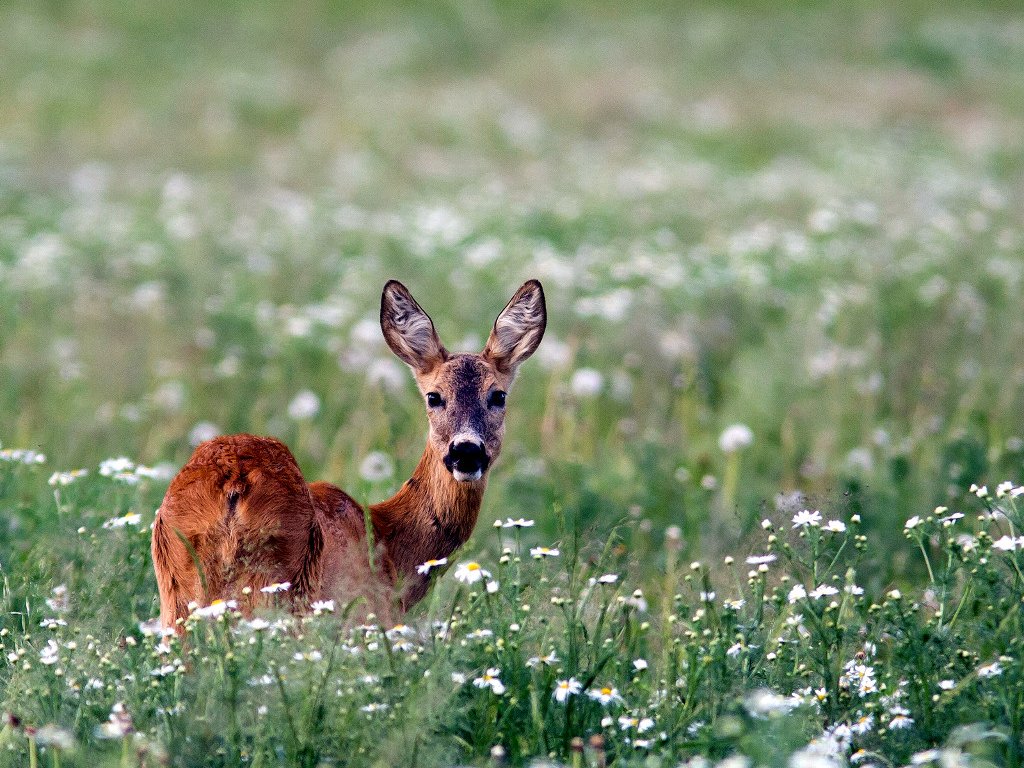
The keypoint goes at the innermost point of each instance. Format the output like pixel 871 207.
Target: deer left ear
pixel 519 328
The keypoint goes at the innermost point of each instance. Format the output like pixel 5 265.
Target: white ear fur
pixel 408 330
pixel 519 328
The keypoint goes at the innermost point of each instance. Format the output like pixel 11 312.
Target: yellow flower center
pixel 606 691
pixel 473 567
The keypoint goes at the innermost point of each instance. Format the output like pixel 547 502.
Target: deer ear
pixel 519 328
pixel 408 330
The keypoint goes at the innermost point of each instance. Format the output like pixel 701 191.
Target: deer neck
pixel 430 517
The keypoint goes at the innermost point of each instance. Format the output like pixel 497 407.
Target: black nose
pixel 467 457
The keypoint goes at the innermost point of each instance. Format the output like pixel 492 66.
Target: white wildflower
pixel 376 467
pixel 604 695
pixel 825 590
pixel 541 552
pixel 490 679
pixel 735 437
pixel 586 382
pixel 424 568
pixel 215 609
pixel 470 573
pixel 566 688
pixel 131 518
pixel 798 592
pixel 806 518
pixel 304 406
pixel 48 655
pixel 277 586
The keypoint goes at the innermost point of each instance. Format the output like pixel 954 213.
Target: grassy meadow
pixel 759 501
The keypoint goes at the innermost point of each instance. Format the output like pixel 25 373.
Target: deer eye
pixel 434 400
pixel 496 399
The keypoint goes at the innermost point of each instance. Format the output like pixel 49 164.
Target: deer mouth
pixel 467 461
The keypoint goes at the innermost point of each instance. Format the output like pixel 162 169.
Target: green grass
pixel 803 219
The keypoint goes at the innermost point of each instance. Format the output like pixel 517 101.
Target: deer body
pixel 240 516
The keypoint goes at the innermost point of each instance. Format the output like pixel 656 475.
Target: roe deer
pixel 240 514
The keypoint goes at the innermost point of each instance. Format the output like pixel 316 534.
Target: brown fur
pixel 241 509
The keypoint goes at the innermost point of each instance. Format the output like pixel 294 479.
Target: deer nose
pixel 466 459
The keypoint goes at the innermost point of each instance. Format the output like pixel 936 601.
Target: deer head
pixel 464 394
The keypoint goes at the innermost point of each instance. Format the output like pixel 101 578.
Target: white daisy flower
pixel 470 573
pixel 215 609
pixel 522 522
pixel 604 695
pixel 566 688
pixel 424 568
pixel 825 590
pixel 322 606
pixel 806 518
pixel 797 593
pixel 277 586
pixel 490 679
pixel 540 552
pixel 132 518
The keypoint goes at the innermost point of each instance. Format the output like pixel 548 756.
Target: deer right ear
pixel 408 330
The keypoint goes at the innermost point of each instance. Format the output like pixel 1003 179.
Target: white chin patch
pixel 467 477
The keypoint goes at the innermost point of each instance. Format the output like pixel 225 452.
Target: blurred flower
pixel 131 518
pixel 215 609
pixel 425 568
pixel 863 724
pixel 22 456
pixel 912 522
pixel 51 735
pixel 990 670
pixel 522 522
pixel 48 655
pixel 59 601
pixel 764 702
pixel 118 725
pixel 541 552
pixel 277 586
pixel 566 688
pixel 549 661
pixel 66 478
pixel 761 559
pixel 490 679
pixel 202 432
pixel 586 382
pixel 1008 543
pixel 376 467
pixel 386 372
pixel 604 696
pixel 834 526
pixel 796 593
pixel 735 437
pixel 322 606
pixel 305 405
pixel 806 518
pixel 608 578
pixel 899 722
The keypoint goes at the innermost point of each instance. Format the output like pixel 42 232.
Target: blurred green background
pixel 805 218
